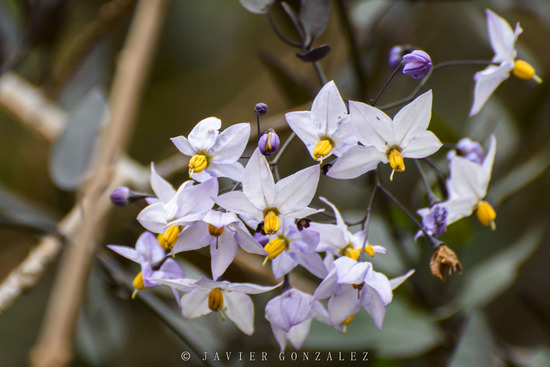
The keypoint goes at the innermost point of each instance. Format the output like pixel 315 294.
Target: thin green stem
pixel 280 34
pixel 431 197
pixel 373 103
pixel 365 225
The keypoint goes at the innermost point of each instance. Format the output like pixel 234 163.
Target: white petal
pixel 222 252
pixel 328 108
pixel 258 185
pixel 296 191
pixel 343 305
pixel 240 310
pixel 339 220
pixel 149 248
pixel 304 127
pixel 162 188
pixel 280 336
pixel 413 119
pixel 372 126
pixel 458 209
pixel 283 264
pixel 127 252
pixel 344 137
pixel 246 241
pixel 194 236
pixel 237 202
pixel 220 219
pixel 397 281
pixel 487 81
pixel 374 306
pixel 502 37
pixel 183 145
pixel 313 263
pixel 487 166
pixel 197 199
pixel 181 284
pixel 234 171
pixel 204 134
pixel 230 144
pixel 250 288
pixel 153 218
pixel 298 334
pixel 195 304
pixel 422 145
pixel 356 161
pixel 328 286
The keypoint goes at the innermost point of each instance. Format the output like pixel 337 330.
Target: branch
pixel 54 346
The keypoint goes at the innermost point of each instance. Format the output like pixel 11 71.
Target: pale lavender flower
pixel 469 149
pixel 290 316
pixel 434 221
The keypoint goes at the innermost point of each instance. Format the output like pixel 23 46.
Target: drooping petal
pixel 127 252
pixel 313 262
pixel 502 37
pixel 250 288
pixel 349 271
pixel 487 81
pixel 162 188
pixel 343 305
pixel 381 284
pixel 356 161
pixel 280 335
pixel 230 144
pixel 258 184
pixel 149 248
pixel 372 126
pixel 413 119
pixel 204 134
pixel 298 334
pixel 240 309
pixel 487 166
pixel 340 222
pixel 195 303
pixel 297 190
pixel 373 304
pixel 237 202
pixel 397 281
pixel 328 286
pixel 283 264
pixel 223 250
pixel 458 208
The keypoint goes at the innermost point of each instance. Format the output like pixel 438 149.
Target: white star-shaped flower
pixel 267 201
pixel 214 154
pixel 503 40
pixel 386 140
pixel 326 129
pixel 467 188
pixel 205 295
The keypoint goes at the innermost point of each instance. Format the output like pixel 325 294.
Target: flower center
pixel 396 161
pixel 275 247
pixel 197 163
pixel 486 214
pixel 169 238
pixel 215 300
pixel 215 231
pixel 523 70
pixel 354 253
pixel 322 149
pixel 272 223
pixel 348 320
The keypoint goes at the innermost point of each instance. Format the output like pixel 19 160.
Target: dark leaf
pixel 295 20
pixel 72 152
pixel 314 17
pixel 316 54
pixel 476 344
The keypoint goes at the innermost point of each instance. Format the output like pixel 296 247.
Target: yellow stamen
pixel 215 300
pixel 268 147
pixel 348 320
pixel 215 231
pixel 354 254
pixel 272 223
pixel 197 163
pixel 170 237
pixel 396 161
pixel 275 247
pixel 322 149
pixel 138 284
pixel 369 250
pixel 523 70
pixel 486 214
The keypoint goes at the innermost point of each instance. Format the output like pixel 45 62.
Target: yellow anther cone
pixel 523 70
pixel 322 149
pixel 197 163
pixel 138 284
pixel 215 300
pixel 272 223
pixel 486 214
pixel 215 231
pixel 274 248
pixel 396 162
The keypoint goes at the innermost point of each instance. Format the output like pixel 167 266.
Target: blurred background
pixel 214 58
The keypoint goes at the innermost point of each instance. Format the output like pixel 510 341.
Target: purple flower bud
pixel 260 109
pixel 395 56
pixel 123 196
pixel 468 149
pixel 269 142
pixel 261 238
pixel 434 221
pixel 417 64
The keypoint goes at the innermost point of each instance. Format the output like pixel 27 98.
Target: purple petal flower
pixel 434 220
pixel 269 142
pixel 417 64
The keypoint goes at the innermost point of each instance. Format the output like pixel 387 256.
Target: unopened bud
pixel 417 64
pixel 269 142
pixel 260 109
pixel 123 196
pixel 396 54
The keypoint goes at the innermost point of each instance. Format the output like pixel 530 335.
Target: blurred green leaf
pixel 257 6
pixel 407 332
pixel 73 150
pixel 491 277
pixel 476 344
pixel 521 176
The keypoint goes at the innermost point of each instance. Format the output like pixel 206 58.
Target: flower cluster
pixel 268 216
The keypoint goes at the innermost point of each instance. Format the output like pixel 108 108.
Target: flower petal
pixel 373 304
pixel 296 191
pixel 372 126
pixel 413 119
pixel 127 252
pixel 153 218
pixel 304 127
pixel 230 144
pixel 237 202
pixel 204 134
pixel 487 81
pixel 356 161
pixel 240 309
pixel 422 145
pixel 328 109
pixel 258 184
pixel 223 250
pixel 195 304
pixel 234 171
pixel 193 236
pixel 183 145
pixel 502 37
pixel 343 305
pixel 162 188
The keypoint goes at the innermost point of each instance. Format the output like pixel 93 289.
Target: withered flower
pixel 444 260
